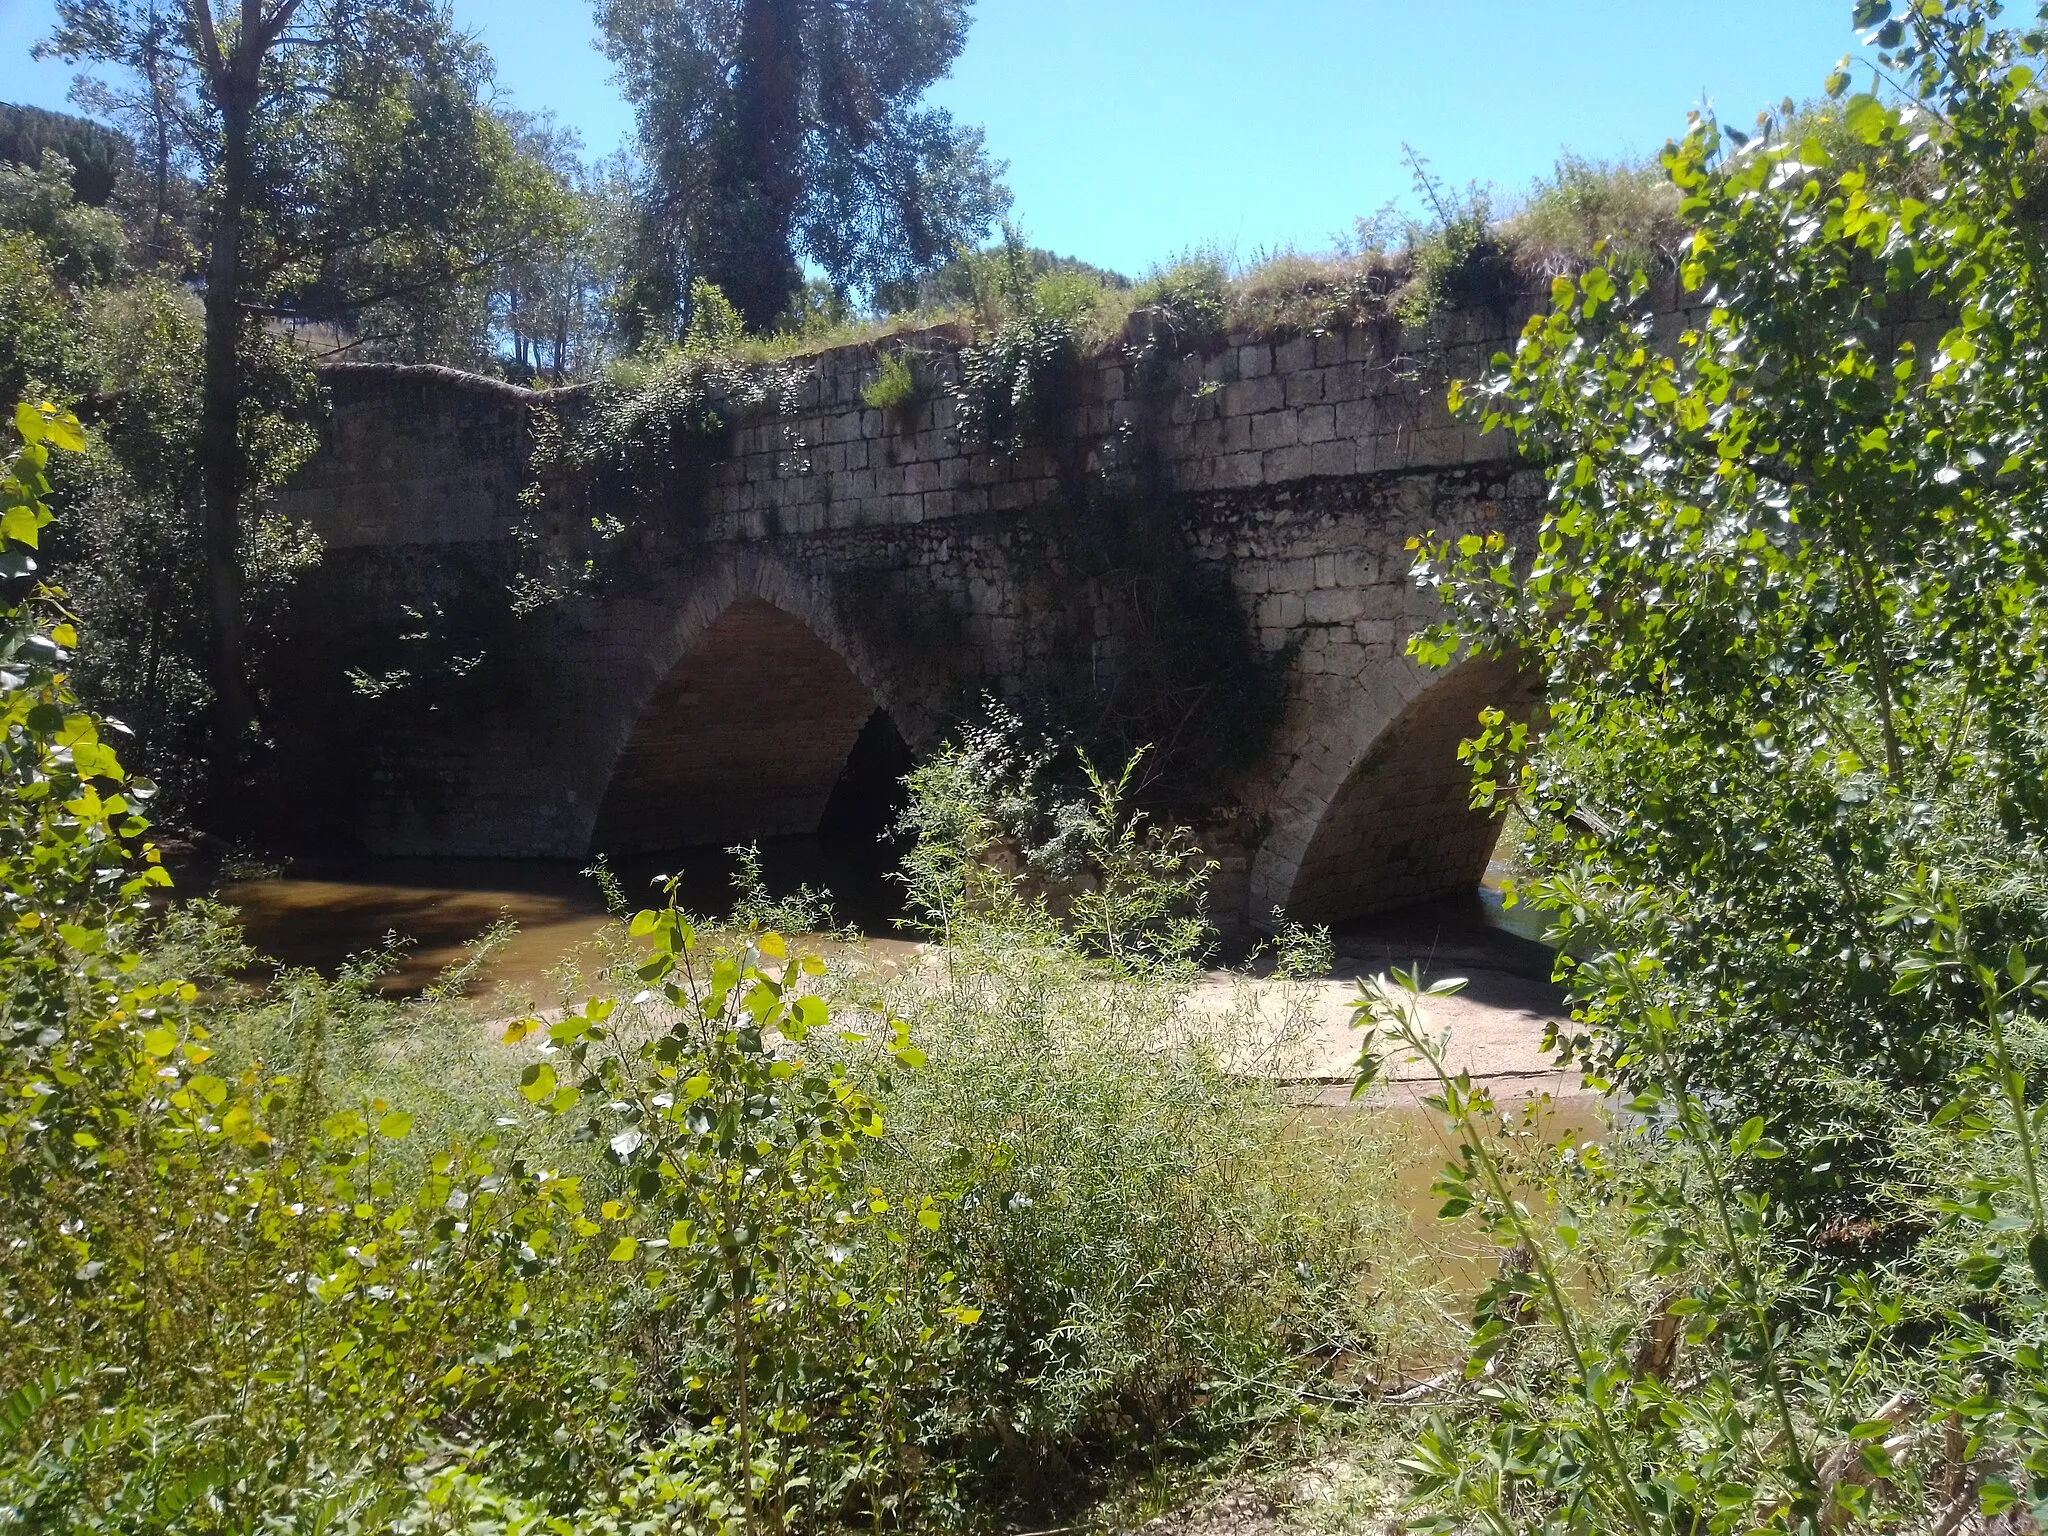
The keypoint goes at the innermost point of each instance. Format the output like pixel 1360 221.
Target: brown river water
pixel 423 914
pixel 426 912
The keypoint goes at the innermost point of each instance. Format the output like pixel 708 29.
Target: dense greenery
pixel 1787 601
pixel 348 166
pixel 737 1241
pixel 95 153
pixel 129 553
pixel 723 1236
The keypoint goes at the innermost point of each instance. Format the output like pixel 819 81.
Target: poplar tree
pixel 783 132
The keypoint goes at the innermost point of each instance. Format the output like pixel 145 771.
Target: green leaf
pixel 1867 118
pixel 2037 1258
pixel 20 524
pixel 1982 1269
pixel 209 1089
pixel 395 1126
pixel 87 941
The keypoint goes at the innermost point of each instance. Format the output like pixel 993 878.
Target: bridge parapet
pixel 1247 413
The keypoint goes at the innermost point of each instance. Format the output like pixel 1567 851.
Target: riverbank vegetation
pixel 1786 598
pixel 732 1244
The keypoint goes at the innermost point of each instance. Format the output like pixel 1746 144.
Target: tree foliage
pixel 130 554
pixel 1787 598
pixel 95 153
pixel 554 303
pixel 779 132
pixel 86 245
pixel 351 173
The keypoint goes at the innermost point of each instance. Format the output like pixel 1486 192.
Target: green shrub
pixel 648 409
pixel 1789 824
pixel 1590 210
pixel 737 1243
pixel 1174 312
pixel 1192 293
pixel 220 1300
pixel 803 910
pixel 998 844
pixel 38 335
pixel 984 282
pixel 128 550
pixel 1016 385
pixel 86 245
pixel 896 386
pixel 1462 262
pixel 1165 1255
pixel 1163 1249
pixel 652 418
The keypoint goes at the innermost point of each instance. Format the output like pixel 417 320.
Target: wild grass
pixel 1030 317
pixel 1463 250
pixel 1627 209
pixel 1166 1260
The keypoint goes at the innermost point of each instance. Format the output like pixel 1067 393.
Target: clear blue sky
pixel 1136 129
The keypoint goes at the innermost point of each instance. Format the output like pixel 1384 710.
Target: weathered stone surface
pixel 841 561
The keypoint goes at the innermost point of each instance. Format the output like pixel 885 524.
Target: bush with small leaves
pixel 1786 600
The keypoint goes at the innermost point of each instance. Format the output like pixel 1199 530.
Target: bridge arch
pixel 1375 812
pixel 757 716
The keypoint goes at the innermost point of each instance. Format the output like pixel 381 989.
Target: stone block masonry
pixel 880 563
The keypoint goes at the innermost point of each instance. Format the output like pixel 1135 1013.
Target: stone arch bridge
pixel 818 598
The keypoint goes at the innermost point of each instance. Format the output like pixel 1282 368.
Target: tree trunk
pixel 757 181
pixel 160 129
pixel 220 449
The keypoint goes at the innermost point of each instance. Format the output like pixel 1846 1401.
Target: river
pixel 423 913
pixel 426 912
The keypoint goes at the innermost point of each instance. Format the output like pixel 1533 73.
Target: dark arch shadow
pixel 1401 829
pixel 761 731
